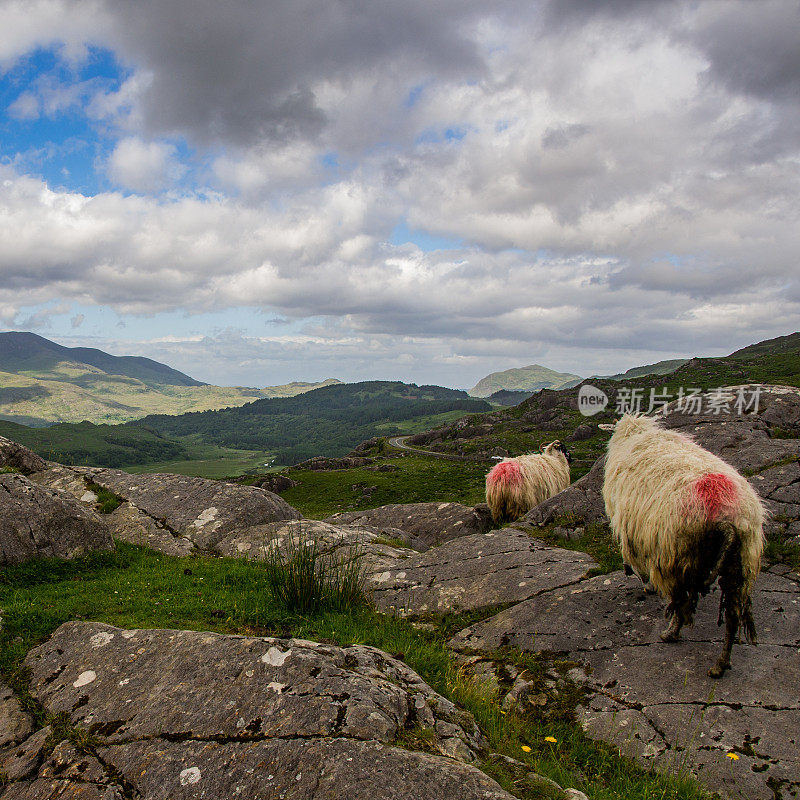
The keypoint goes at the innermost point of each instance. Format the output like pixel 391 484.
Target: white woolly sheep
pixel 684 518
pixel 516 485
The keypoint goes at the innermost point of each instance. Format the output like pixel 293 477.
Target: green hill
pixel 659 368
pixel 42 382
pixel 29 354
pixel 523 379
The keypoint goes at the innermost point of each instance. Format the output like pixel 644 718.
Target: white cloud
pixel 614 184
pixel 144 166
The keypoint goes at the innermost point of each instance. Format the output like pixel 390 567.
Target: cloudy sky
pixel 257 192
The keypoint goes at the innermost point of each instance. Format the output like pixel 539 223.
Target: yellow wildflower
pixel 551 739
pixel 526 749
pixel 732 756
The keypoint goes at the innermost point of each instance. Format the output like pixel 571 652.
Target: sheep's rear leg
pixel 731 628
pixel 672 633
pixel 681 608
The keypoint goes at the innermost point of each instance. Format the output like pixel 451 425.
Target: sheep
pixel 516 485
pixel 684 518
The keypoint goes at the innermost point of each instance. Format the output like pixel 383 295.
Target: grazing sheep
pixel 684 518
pixel 516 485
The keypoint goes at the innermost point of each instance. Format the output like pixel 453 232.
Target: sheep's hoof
pixel 718 670
pixel 670 635
pixel 649 588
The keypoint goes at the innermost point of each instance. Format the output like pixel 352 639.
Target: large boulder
pixel 40 522
pixel 180 714
pixel 200 510
pixel 580 503
pixel 425 524
pixel 19 458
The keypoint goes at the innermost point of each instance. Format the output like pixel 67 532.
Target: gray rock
pixel 15 724
pixel 22 761
pixel 654 700
pixel 425 524
pixel 66 479
pixel 476 572
pixel 275 482
pixel 345 541
pixel 20 458
pixel 201 510
pixel 583 432
pixel 182 712
pixel 129 524
pixel 39 522
pixel 127 685
pixel 67 773
pixel 322 463
pixel 48 789
pixel 303 769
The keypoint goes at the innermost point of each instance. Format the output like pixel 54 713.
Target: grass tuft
pixel 306 579
pixel 107 501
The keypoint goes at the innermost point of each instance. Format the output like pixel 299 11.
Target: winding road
pixel 399 443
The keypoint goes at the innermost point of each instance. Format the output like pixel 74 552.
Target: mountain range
pixel 42 382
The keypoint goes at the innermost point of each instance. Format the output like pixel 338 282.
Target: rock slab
pixel 425 524
pixel 201 510
pixel 655 700
pixel 476 572
pixel 182 714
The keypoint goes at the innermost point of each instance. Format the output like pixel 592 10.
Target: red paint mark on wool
pixel 716 493
pixel 507 472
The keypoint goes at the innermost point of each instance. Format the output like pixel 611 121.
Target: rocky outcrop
pixel 183 714
pixel 36 522
pixel 654 700
pixel 19 458
pixel 424 524
pixel 275 482
pixel 578 504
pixel 475 572
pixel 163 508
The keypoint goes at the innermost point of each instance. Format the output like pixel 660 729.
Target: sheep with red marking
pixel 516 485
pixel 684 518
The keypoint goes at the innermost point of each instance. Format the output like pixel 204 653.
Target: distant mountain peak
pixel 23 351
pixel 523 379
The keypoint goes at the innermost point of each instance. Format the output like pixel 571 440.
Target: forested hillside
pixel 328 421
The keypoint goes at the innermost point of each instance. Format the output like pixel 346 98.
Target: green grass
pixel 138 588
pixel 418 479
pixel 209 461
